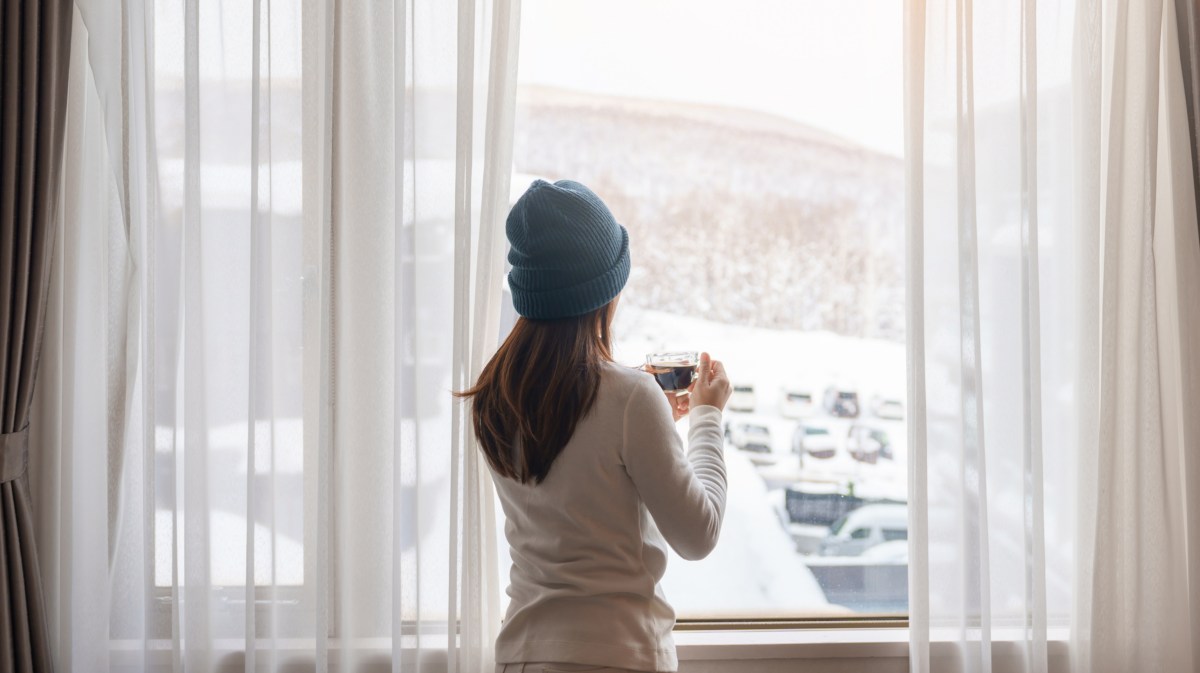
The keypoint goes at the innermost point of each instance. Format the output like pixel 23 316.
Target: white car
pixel 866 527
pixel 842 401
pixel 889 408
pixel 742 398
pixel 797 403
pixel 815 439
pixel 868 444
pixel 752 437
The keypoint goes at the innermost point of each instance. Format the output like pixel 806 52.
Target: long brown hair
pixel 536 388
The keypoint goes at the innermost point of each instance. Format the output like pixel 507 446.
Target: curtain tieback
pixel 14 454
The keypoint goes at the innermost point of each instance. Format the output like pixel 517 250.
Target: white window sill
pixel 830 643
pixel 863 650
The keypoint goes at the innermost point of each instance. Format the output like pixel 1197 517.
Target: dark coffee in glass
pixel 674 372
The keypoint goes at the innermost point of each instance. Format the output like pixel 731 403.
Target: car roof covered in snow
pixel 882 515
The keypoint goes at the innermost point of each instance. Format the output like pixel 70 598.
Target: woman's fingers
pixel 718 369
pixel 680 404
pixel 704 368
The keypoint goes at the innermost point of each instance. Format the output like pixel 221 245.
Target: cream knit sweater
pixel 587 543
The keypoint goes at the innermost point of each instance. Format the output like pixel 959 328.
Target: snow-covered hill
pixel 739 216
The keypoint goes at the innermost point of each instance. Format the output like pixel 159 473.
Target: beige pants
pixel 550 667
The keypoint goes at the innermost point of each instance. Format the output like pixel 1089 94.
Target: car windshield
pixel 799 397
pixel 848 396
pixel 816 431
pixel 743 389
pixel 756 430
pixel 839 524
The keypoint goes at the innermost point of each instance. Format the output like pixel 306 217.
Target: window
pixel 753 152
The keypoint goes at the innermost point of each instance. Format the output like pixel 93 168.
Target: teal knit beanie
pixel 569 255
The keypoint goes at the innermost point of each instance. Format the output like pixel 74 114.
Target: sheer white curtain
pixel 1136 518
pixel 1049 187
pixel 281 250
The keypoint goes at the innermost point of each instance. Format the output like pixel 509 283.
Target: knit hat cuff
pixel 576 300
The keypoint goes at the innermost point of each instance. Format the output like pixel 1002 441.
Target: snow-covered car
pixel 842 402
pixel 888 408
pixel 866 527
pixel 868 443
pixel 797 403
pixel 813 439
pixel 753 437
pixel 895 552
pixel 742 398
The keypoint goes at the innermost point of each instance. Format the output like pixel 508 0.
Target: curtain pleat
pixel 460 354
pixel 321 106
pixel 1177 309
pixel 259 351
pixel 1033 483
pixel 405 574
pixel 974 540
pixel 1187 21
pixel 914 217
pixel 1086 91
pixel 192 526
pixel 34 60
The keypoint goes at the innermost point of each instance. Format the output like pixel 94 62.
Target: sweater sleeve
pixel 685 493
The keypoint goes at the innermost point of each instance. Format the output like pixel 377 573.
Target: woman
pixel 590 470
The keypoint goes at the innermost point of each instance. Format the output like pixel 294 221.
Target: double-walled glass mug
pixel 675 371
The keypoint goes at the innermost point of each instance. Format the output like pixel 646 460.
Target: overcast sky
pixel 833 64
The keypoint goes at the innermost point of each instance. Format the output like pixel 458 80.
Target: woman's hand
pixel 681 403
pixel 711 387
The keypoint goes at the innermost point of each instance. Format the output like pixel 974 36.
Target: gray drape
pixel 1187 14
pixel 35 42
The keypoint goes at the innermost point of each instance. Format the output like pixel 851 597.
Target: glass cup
pixel 675 371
